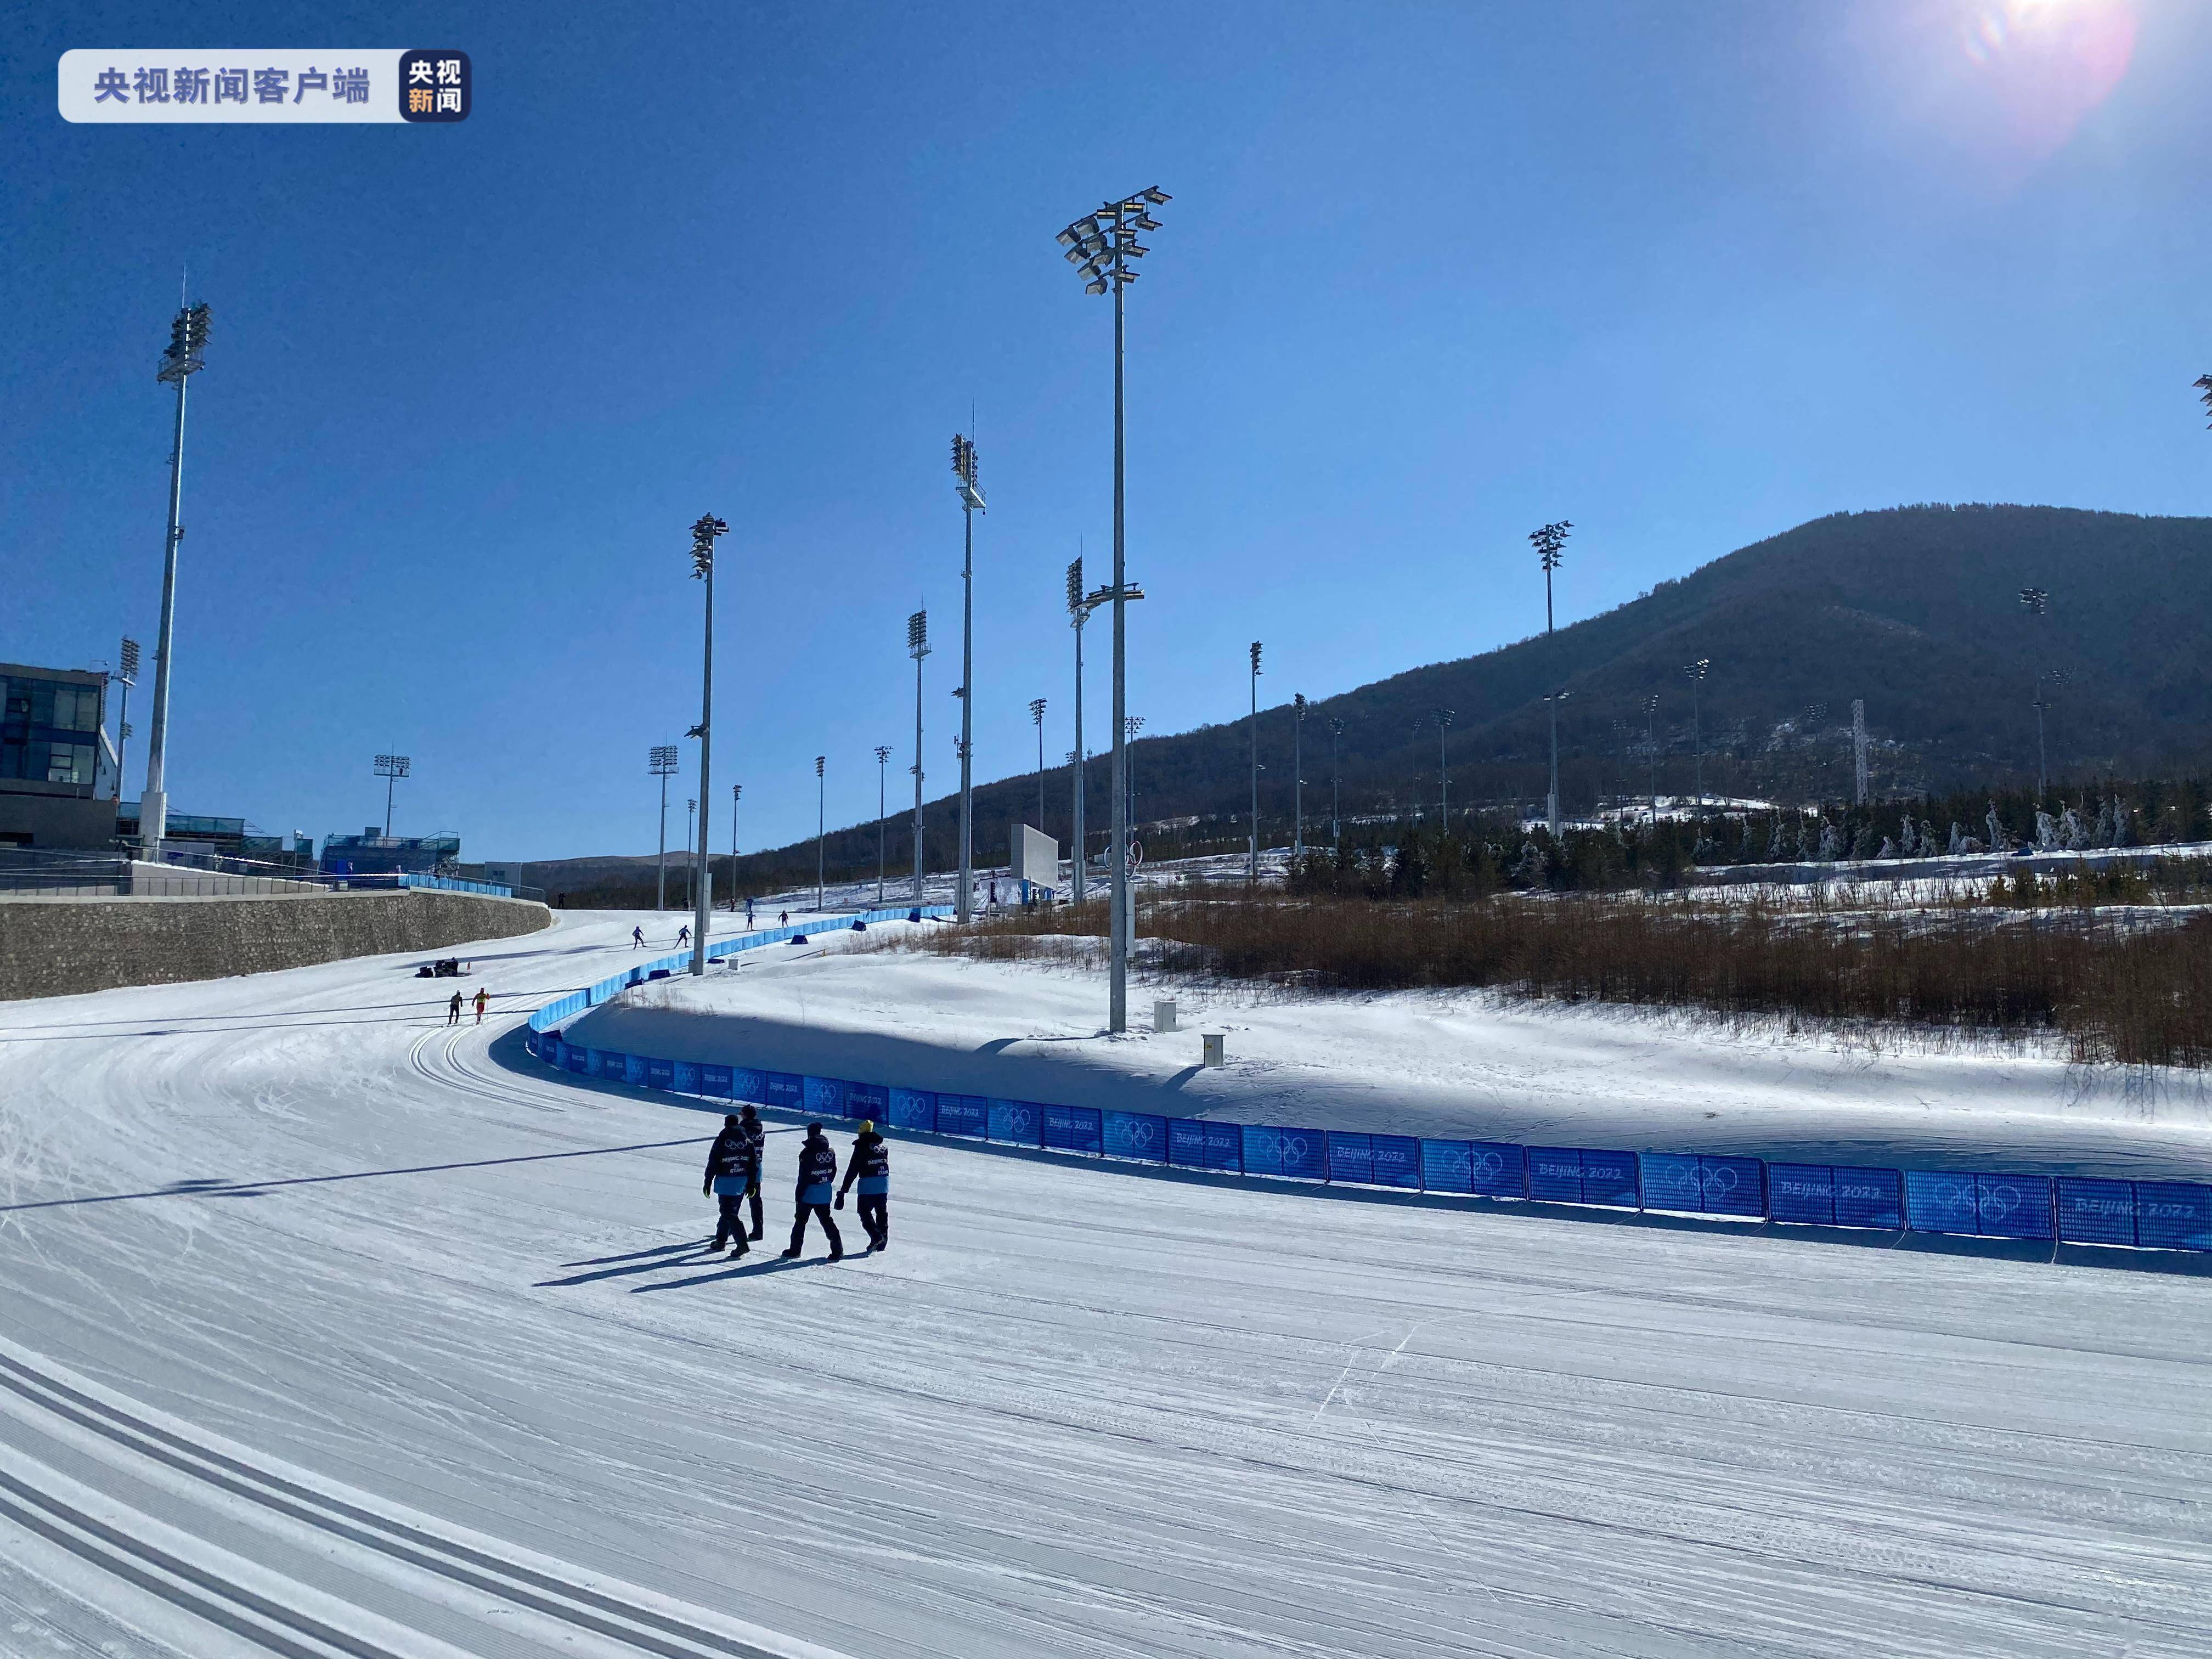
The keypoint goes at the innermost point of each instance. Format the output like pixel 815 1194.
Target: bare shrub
pixel 2129 987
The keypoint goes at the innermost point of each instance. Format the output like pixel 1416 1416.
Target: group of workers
pixel 735 1165
pixel 483 1000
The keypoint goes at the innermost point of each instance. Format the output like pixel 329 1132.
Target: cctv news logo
pixel 434 86
pixel 418 85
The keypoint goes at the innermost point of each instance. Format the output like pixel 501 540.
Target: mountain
pixel 1915 609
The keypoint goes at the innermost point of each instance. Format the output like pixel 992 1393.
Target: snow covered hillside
pixel 326 1328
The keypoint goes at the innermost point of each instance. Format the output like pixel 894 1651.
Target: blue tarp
pixel 1072 1128
pixel 2014 1206
pixel 1202 1144
pixel 1670 1182
pixel 1447 1166
pixel 660 1074
pixel 1350 1157
pixel 1497 1169
pixel 2096 1211
pixel 868 1100
pixel 1397 1161
pixel 2172 1215
pixel 1869 1198
pixel 785 1089
pixel 1017 1122
pixel 1555 1174
pixel 685 1077
pixel 824 1096
pixel 1135 1135
pixel 961 1114
pixel 714 1081
pixel 1803 1193
pixel 913 1108
pixel 1273 1150
pixel 1937 1202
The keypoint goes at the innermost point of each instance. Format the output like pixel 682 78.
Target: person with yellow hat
pixel 869 1166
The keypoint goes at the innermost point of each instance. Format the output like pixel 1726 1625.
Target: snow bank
pixel 1441 1064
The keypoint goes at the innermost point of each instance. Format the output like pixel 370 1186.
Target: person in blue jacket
pixel 818 1174
pixel 732 1170
pixel 870 1166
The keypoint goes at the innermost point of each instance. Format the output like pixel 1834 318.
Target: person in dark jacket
pixel 749 1121
pixel 870 1165
pixel 732 1170
pixel 817 1171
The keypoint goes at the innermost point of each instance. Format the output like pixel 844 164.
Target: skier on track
pixel 756 1138
pixel 817 1169
pixel 870 1164
pixel 637 939
pixel 484 1002
pixel 749 912
pixel 683 937
pixel 783 919
pixel 732 1170
pixel 453 1010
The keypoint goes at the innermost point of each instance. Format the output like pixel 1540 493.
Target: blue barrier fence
pixel 2166 1215
pixel 455 884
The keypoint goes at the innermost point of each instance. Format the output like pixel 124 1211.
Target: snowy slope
pixel 377 1328
pixel 1447 1064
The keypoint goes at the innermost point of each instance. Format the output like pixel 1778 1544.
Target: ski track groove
pixel 1478 1481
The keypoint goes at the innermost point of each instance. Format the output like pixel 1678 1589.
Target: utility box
pixel 1214 1054
pixel 1164 1014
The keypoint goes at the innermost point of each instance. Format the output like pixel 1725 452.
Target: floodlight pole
pixel 1252 872
pixel 1036 713
pixel 1079 613
pixel 661 857
pixel 1550 541
pixel 1443 771
pixel 703 534
pixel 188 333
pixel 971 503
pixel 736 794
pixel 821 822
pixel 883 817
pixel 1103 244
pixel 1336 791
pixel 127 677
pixel 2036 601
pixel 1298 776
pixel 917 644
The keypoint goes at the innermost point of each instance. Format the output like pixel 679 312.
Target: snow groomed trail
pixel 327 1329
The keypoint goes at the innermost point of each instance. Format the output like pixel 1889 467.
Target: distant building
pixel 54 754
pixel 234 836
pixel 373 852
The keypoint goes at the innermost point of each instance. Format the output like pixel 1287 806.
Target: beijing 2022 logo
pixel 434 86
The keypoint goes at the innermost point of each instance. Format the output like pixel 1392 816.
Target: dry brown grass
pixel 2126 987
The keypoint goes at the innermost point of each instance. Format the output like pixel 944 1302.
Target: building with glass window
pixel 53 756
pixel 373 852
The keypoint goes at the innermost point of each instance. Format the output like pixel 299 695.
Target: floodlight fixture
pixel 390 768
pixel 2036 601
pixel 1106 240
pixel 662 760
pixel 129 672
pixel 184 357
pixel 917 634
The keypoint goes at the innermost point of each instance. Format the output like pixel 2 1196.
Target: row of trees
pixel 1480 856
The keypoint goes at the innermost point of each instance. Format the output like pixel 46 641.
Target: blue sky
pixel 1685 274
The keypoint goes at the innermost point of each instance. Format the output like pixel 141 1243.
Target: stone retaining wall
pixel 49 949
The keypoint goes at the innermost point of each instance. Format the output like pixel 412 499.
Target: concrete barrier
pixel 51 950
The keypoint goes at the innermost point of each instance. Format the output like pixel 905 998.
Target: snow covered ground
pixel 1447 1064
pixel 326 1328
